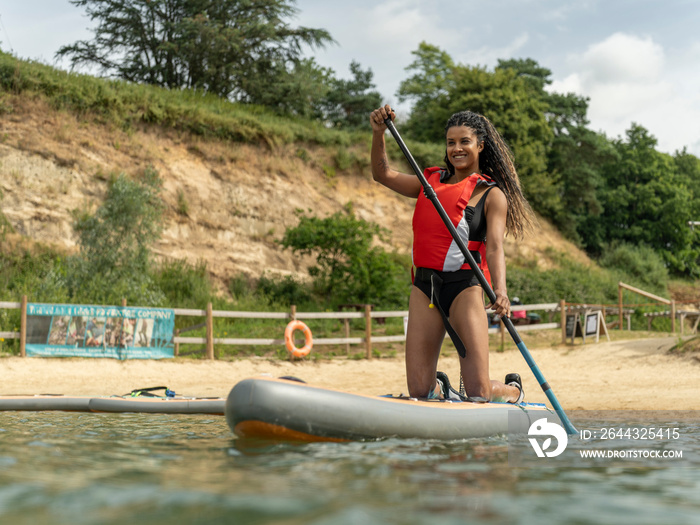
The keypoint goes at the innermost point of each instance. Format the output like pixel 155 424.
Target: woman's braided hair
pixel 496 161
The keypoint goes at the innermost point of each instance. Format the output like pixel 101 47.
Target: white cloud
pixel 623 58
pixel 488 55
pixel 401 24
pixel 631 79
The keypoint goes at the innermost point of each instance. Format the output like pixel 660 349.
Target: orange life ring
pixel 289 339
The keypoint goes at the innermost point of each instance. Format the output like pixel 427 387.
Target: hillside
pixel 227 202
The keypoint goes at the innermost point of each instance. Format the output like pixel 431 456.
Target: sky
pixel 637 60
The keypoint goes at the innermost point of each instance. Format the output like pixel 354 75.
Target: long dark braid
pixel 496 161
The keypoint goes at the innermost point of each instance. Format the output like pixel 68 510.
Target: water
pixel 82 468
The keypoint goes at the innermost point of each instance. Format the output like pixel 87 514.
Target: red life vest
pixel 433 246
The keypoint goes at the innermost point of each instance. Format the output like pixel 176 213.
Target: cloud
pixel 631 79
pixel 623 58
pixel 401 24
pixel 489 54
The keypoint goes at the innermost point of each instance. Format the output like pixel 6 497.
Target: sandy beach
pixel 636 374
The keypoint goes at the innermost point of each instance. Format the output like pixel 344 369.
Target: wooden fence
pixel 366 313
pixel 209 314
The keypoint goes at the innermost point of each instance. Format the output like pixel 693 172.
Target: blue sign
pixel 120 332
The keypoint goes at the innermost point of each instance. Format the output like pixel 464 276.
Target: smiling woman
pixel 480 193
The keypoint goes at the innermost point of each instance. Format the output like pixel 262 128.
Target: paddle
pixel 432 196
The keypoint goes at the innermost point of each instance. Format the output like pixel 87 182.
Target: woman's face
pixel 463 148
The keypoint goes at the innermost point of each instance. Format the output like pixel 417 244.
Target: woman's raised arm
pixel 407 185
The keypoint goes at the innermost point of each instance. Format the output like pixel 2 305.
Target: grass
pixel 126 104
pixel 690 346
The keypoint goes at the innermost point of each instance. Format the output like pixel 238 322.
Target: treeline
pixel 602 192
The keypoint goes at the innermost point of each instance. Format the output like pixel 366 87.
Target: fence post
pixel 562 308
pixel 673 316
pixel 368 330
pixel 23 327
pixel 346 323
pixel 619 302
pixel 210 332
pixel 503 334
pixel 176 346
pixel 292 317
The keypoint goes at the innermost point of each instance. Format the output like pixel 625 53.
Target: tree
pixel 233 48
pixel 348 102
pixel 646 201
pixel 429 89
pixel 529 70
pixel 294 91
pixel 115 243
pixel 348 268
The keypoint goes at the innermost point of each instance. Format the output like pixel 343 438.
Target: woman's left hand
pixel 502 304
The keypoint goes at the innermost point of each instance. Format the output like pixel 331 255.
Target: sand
pixel 635 374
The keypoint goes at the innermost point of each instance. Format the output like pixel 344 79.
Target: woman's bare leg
pixel 424 338
pixel 468 317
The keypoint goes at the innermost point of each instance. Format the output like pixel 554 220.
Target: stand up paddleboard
pixel 151 405
pixel 291 410
pixel 41 402
pixel 158 405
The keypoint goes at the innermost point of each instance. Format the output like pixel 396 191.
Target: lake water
pixel 83 468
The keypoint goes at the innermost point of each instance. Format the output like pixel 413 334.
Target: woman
pixel 478 187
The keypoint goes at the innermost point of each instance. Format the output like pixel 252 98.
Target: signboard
pixel 120 332
pixel 593 324
pixel 573 326
pixel 585 324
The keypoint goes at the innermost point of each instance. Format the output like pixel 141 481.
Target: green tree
pixel 348 268
pixel 428 89
pixel 115 244
pixel 348 102
pixel 295 90
pixel 646 201
pixel 239 49
pixel 536 76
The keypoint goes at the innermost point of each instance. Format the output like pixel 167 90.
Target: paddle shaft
pixel 432 197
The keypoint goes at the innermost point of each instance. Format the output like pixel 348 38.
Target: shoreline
pixel 636 374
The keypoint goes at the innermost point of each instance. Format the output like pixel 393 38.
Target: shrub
pixel 285 290
pixel 183 284
pixel 639 265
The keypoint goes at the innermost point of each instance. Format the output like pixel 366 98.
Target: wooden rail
pixel 622 286
pixel 692 315
pixel 209 340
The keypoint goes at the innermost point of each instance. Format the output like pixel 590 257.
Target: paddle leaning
pixel 431 195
